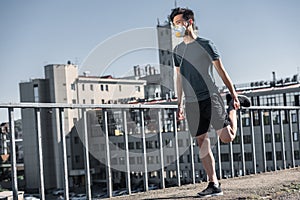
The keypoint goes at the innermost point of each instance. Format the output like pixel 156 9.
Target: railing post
pixel 64 150
pixel 253 142
pixel 242 143
pixel 291 138
pixel 161 152
pixel 192 159
pixel 176 148
pixel 86 157
pixel 273 140
pixel 40 153
pixel 146 188
pixel 231 159
pixel 282 140
pixel 128 181
pixel 108 166
pixel 298 127
pixel 13 154
pixel 219 158
pixel 263 140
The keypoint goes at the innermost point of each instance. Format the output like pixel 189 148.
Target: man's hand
pixel 236 103
pixel 180 113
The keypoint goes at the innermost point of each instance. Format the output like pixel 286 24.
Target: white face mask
pixel 179 31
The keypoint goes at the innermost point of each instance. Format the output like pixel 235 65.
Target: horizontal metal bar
pixel 95 106
pixel 74 106
pixel 273 108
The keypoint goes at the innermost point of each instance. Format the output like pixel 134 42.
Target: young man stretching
pixel 194 59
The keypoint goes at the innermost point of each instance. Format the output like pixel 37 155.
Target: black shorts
pixel 202 114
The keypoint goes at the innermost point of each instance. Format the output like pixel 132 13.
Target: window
pixel 103 101
pixel 83 101
pixel 106 87
pixel 77 159
pixel 131 160
pixel 92 101
pixel 138 145
pixel 120 88
pixel 137 88
pixel 224 157
pixel 92 87
pixel 139 160
pixel 130 145
pixel 149 145
pixel 295 134
pixel 73 101
pixel 73 86
pixel 248 156
pixel 101 87
pixel 76 140
pixel 82 87
pixel 122 161
pixel 36 93
pixel 180 143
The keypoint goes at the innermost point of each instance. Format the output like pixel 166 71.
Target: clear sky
pixel 254 37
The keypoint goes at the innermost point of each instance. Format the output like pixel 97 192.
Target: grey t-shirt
pixel 195 62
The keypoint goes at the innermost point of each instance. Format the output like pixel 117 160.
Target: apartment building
pixel 62 84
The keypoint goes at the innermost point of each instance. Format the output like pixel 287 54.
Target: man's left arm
pixel 227 81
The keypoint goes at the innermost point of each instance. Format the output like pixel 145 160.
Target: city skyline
pixel 254 38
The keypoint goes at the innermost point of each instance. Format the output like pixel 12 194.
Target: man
pixel 194 59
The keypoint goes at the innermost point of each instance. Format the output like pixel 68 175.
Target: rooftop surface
pixel 282 184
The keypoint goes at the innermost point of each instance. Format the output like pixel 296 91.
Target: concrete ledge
pixel 8 195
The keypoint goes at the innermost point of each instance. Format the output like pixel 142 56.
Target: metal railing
pixel 254 119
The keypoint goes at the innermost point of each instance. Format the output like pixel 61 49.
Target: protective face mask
pixel 179 31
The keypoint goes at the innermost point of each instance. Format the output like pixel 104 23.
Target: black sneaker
pixel 244 101
pixel 211 190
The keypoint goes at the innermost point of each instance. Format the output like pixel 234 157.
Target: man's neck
pixel 188 39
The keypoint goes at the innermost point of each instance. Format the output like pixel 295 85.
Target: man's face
pixel 178 20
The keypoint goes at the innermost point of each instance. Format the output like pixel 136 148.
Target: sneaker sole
pixel 244 100
pixel 211 195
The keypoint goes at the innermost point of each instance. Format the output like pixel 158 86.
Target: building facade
pixel 62 84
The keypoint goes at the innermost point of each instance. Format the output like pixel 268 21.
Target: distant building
pixel 62 84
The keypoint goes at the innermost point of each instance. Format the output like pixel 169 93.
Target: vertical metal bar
pixel 282 140
pixel 291 138
pixel 273 140
pixel 231 159
pixel 253 142
pixel 298 126
pixel 192 159
pixel 161 152
pixel 242 143
pixel 128 181
pixel 144 151
pixel 40 153
pixel 64 150
pixel 219 157
pixel 86 158
pixel 262 129
pixel 13 154
pixel 176 148
pixel 108 165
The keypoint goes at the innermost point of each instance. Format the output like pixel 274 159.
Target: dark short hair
pixel 187 13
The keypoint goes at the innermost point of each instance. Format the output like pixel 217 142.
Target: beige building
pixel 62 84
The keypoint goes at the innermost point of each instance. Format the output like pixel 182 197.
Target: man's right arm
pixel 180 114
pixel 179 87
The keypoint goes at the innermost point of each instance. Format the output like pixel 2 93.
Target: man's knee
pixel 227 135
pixel 201 139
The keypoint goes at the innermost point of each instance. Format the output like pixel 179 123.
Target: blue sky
pixel 254 37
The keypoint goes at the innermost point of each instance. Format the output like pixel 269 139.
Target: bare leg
pixel 228 133
pixel 207 157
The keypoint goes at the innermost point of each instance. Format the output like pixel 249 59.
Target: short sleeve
pixel 212 50
pixel 175 57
